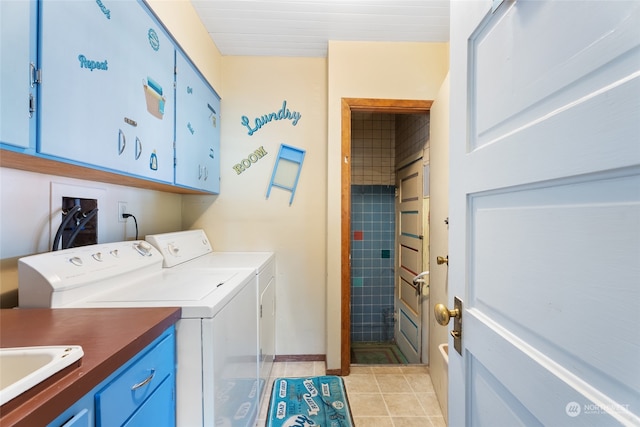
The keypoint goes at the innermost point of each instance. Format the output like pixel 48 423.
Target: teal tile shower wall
pixel 372 262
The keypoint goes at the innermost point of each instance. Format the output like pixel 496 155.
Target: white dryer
pixel 192 250
pixel 217 382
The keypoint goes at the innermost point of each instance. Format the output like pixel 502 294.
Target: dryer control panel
pixel 181 246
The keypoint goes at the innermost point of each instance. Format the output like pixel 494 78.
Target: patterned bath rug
pixel 309 402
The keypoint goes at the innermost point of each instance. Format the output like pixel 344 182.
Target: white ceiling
pixel 303 27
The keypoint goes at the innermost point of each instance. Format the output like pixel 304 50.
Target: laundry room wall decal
pixel 92 65
pixel 286 170
pixel 282 114
pixel 104 9
pixel 251 158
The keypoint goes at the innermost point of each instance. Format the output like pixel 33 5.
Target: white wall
pixel 241 218
pixel 367 70
pixel 439 238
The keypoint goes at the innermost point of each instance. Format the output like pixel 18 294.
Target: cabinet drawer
pixel 155 411
pixel 121 397
pixel 81 419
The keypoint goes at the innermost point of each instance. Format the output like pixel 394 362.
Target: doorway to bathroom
pixel 379 138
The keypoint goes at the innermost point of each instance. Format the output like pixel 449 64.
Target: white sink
pixel 24 367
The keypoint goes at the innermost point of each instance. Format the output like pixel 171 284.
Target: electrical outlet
pixel 122 209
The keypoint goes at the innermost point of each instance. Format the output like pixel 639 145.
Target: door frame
pixel 390 106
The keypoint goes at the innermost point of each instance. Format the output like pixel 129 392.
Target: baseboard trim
pixel 301 358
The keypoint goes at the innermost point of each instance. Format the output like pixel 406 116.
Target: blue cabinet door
pixel 107 91
pixel 81 419
pixel 159 411
pixel 18 89
pixel 141 383
pixel 114 403
pixel 197 129
pixel 80 414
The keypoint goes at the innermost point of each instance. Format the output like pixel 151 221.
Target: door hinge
pixel 35 75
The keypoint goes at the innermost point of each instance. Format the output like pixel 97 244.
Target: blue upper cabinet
pixel 107 93
pixel 197 130
pixel 18 75
pixel 102 84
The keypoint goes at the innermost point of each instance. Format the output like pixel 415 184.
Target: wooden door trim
pixel 391 106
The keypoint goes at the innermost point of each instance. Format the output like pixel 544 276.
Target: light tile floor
pixel 379 396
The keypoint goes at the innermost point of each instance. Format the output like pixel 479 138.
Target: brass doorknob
pixel 443 314
pixel 443 260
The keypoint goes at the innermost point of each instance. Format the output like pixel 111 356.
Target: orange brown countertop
pixel 109 338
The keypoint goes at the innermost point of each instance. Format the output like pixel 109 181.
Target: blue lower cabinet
pixel 136 388
pixel 156 411
pixel 140 393
pixel 81 419
pixel 80 414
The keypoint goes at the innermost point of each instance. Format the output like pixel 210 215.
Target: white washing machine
pixel 217 356
pixel 192 250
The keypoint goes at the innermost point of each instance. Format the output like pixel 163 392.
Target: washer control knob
pixel 97 256
pixel 115 253
pixel 76 260
pixel 143 248
pixel 173 249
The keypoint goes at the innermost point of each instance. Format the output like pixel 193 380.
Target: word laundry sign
pixel 282 114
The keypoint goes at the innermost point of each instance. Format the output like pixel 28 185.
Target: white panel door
pixel 408 298
pixel 545 213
